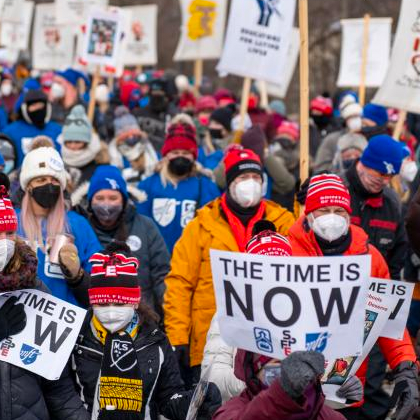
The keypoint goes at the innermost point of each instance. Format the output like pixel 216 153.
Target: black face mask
pixel 215 133
pixel 321 121
pixel 38 117
pixel 107 213
pixel 181 166
pixel 158 103
pixel 46 195
pixel 348 163
pixel 286 143
pixel 376 130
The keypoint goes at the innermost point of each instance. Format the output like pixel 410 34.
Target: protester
pixel 178 188
pixel 104 113
pixel 8 92
pixel 125 366
pixel 26 395
pixel 80 146
pixel 43 218
pixel 33 120
pixel 350 147
pixel 204 108
pixel 113 216
pixel 325 230
pixel 8 151
pixel 226 224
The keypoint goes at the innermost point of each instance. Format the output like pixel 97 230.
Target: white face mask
pixel 57 91
pixel 6 89
pixel 102 93
pixel 354 123
pixel 132 152
pixel 329 226
pixel 247 193
pixel 7 250
pixel 409 171
pixel 114 318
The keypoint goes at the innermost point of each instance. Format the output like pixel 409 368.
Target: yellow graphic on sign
pixel 203 16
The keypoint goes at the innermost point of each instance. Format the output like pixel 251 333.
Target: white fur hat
pixel 44 161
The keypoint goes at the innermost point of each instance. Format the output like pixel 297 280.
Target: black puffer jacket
pixel 163 390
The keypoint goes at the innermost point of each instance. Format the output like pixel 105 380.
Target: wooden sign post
pixel 263 95
pixel 365 51
pixel 198 75
pixel 402 116
pixel 246 89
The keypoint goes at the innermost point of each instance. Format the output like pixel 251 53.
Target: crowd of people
pixel 138 196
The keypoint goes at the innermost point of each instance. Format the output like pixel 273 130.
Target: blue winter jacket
pixel 172 208
pixel 86 243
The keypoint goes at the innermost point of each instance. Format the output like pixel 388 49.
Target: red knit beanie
pixel 180 136
pixel 322 104
pixel 8 219
pixel 269 243
pixel 327 190
pixel 238 161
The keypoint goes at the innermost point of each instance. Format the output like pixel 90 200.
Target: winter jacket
pixel 412 223
pixel 189 302
pixel 222 358
pixel 257 402
pixel 304 244
pixel 171 207
pixel 86 243
pixel 162 385
pixel 23 133
pixel 146 243
pixel 381 218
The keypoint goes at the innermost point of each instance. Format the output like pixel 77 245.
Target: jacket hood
pixel 244 371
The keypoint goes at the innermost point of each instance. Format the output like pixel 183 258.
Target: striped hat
pixel 327 190
pixel 8 218
pixel 114 279
pixel 269 243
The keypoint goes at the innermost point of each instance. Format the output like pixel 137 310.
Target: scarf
pixel 80 158
pixel 241 233
pixel 25 276
pixel 120 387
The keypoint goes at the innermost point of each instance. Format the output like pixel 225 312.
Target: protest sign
pixel 401 87
pixel 52 44
pixel 75 12
pixel 378 52
pixel 16 35
pixel 279 89
pixel 45 344
pixel 257 39
pixel 103 37
pixel 11 11
pixel 140 36
pixel 274 306
pixel 203 26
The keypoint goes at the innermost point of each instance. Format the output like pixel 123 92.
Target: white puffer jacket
pixel 223 358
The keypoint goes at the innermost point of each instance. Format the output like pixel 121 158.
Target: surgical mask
pixel 270 374
pixel 247 193
pixel 57 91
pixel 132 152
pixel 180 166
pixel 409 171
pixel 102 93
pixel 354 124
pixel 348 163
pixel 204 120
pixel 329 226
pixel 46 195
pixel 7 250
pixel 107 213
pixel 6 89
pixel 9 165
pixel 114 318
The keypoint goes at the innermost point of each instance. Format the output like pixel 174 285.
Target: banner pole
pixel 92 99
pixel 402 116
pixel 198 75
pixel 110 83
pixel 264 94
pixel 365 51
pixel 246 89
pixel 304 90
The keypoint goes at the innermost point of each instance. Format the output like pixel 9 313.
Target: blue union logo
pixel 28 354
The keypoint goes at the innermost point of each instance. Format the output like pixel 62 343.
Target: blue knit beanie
pixel 383 154
pixel 72 76
pixel 376 113
pixel 107 177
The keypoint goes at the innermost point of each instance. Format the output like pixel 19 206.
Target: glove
pixel 405 376
pixel 303 190
pixel 299 370
pixel 12 318
pixel 69 261
pixel 182 353
pixel 211 403
pixel 352 389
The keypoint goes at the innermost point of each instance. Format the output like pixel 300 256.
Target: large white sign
pixel 75 12
pixel 258 39
pixel 11 11
pixel 140 36
pixel 45 344
pixel 378 52
pixel 52 44
pixel 274 306
pixel 401 87
pixel 202 30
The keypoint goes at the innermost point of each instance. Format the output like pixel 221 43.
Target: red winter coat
pixel 256 403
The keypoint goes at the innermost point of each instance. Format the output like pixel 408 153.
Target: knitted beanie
pixel 44 161
pixel 8 218
pixel 278 106
pixel 290 129
pixel 77 126
pixel 114 278
pixel 125 124
pixel 322 104
pixel 255 140
pixel 180 136
pixel 72 76
pixel 327 190
pixel 223 116
pixel 350 108
pixel 351 141
pixel 384 154
pixel 206 103
pixel 239 161
pixel 107 177
pixel 269 243
pixel 375 113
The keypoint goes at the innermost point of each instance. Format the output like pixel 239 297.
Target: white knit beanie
pixel 43 161
pixel 350 108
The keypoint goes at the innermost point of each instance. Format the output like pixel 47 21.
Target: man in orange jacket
pixel 325 230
